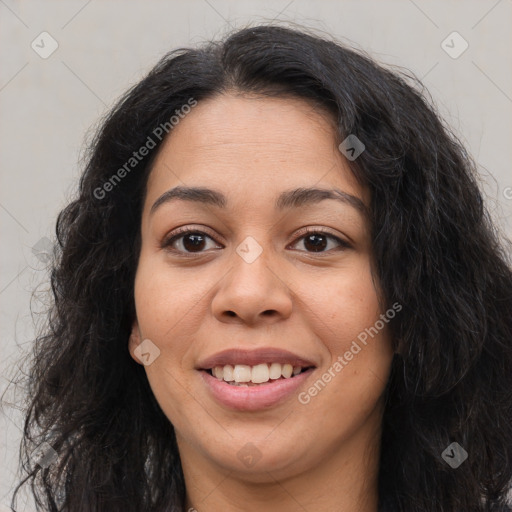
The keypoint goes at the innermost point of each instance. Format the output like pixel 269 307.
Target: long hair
pixel 435 251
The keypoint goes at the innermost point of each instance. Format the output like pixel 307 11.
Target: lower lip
pixel 253 398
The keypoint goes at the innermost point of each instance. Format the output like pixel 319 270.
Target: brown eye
pixel 318 241
pixel 187 241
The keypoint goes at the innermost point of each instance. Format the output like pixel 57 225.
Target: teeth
pixel 227 374
pixel 258 374
pixel 275 371
pixel 241 373
pixel 287 371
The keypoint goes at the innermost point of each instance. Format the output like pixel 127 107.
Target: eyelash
pixel 181 232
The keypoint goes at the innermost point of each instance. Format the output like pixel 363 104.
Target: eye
pixel 187 241
pixel 190 241
pixel 318 241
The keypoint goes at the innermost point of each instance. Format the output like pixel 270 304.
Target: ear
pixel 134 341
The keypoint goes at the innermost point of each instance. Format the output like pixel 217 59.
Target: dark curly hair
pixel 435 251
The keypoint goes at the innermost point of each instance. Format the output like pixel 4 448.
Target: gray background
pixel 48 105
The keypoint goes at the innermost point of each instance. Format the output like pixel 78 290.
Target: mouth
pixel 254 380
pixel 261 374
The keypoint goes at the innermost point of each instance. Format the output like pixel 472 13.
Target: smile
pixel 245 375
pixel 253 397
pixel 251 380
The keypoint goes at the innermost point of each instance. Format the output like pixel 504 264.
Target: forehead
pixel 252 145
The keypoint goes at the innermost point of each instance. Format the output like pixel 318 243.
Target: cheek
pixel 168 304
pixel 343 304
pixel 346 317
pixel 161 306
pixel 170 310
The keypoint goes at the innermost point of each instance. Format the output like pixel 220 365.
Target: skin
pixel 322 455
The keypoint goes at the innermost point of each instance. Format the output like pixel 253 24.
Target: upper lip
pixel 253 357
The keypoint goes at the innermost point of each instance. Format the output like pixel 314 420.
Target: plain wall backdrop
pixel 48 101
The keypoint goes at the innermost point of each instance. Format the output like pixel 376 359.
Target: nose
pixel 253 292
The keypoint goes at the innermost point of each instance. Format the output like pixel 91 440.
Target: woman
pixel 277 289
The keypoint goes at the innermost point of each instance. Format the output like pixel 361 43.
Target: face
pixel 255 281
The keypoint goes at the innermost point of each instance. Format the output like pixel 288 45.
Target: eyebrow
pixel 288 199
